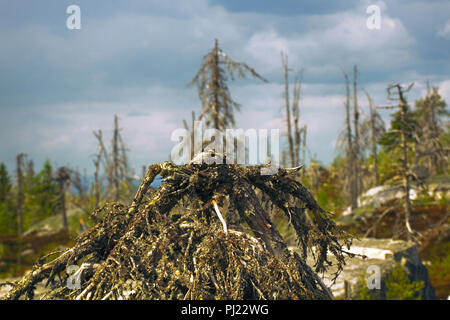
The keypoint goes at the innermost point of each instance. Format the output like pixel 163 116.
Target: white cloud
pixel 444 90
pixel 445 30
pixel 117 65
pixel 63 132
pixel 339 39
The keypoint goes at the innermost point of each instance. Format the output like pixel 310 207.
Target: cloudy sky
pixel 134 59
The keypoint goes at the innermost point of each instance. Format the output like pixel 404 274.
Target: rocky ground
pixel 382 253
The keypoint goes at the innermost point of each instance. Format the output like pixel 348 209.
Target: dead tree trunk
pixel 96 184
pixel 356 150
pixel 186 126
pixel 284 60
pixel 123 161
pixel 433 131
pixel 350 149
pixel 62 179
pixel 297 135
pixel 97 162
pixel 405 165
pixel 404 146
pixel 373 140
pixel 19 160
pixel 215 107
pixel 296 115
pixel 62 202
pixel 116 159
pixel 102 152
pixel 304 129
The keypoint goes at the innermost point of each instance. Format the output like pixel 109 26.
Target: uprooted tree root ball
pixel 203 234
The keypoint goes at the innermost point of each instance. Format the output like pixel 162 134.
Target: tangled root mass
pixel 171 244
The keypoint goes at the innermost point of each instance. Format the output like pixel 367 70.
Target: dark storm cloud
pixel 287 7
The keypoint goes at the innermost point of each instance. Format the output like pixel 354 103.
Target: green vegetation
pixel 399 287
pixel 55 206
pixel 438 257
pixel 364 292
pixel 7 216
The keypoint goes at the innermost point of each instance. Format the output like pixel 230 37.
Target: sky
pixel 135 59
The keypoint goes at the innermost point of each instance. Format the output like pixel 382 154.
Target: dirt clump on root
pixel 203 234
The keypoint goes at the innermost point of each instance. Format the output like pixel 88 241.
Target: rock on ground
pixel 385 254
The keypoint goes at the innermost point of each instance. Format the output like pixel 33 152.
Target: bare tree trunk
pixel 62 196
pixel 19 159
pixel 186 126
pixel 215 108
pixel 192 134
pixel 283 159
pixel 356 128
pixel 374 153
pixel 30 169
pixel 96 182
pixel 97 162
pixel 405 164
pixel 304 129
pixel 116 159
pixel 297 142
pixel 350 149
pixel 296 115
pixel 284 60
pixel 399 96
pixel 434 163
pixel 123 160
pixel 373 140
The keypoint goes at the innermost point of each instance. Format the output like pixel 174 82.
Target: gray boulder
pixel 384 254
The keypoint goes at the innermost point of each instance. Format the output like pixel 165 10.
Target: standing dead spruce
pixel 175 243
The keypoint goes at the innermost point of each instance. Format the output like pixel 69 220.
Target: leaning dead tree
pixel 222 245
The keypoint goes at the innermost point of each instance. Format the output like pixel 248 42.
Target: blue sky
pixel 134 59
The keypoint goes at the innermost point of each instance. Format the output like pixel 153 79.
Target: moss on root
pixel 170 242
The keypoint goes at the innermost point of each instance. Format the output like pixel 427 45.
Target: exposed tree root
pixel 180 245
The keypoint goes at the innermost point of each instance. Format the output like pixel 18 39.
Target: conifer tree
pixel 217 105
pixel 8 224
pixel 46 191
pixel 430 111
pixel 5 183
pixel 19 206
pixel 400 137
